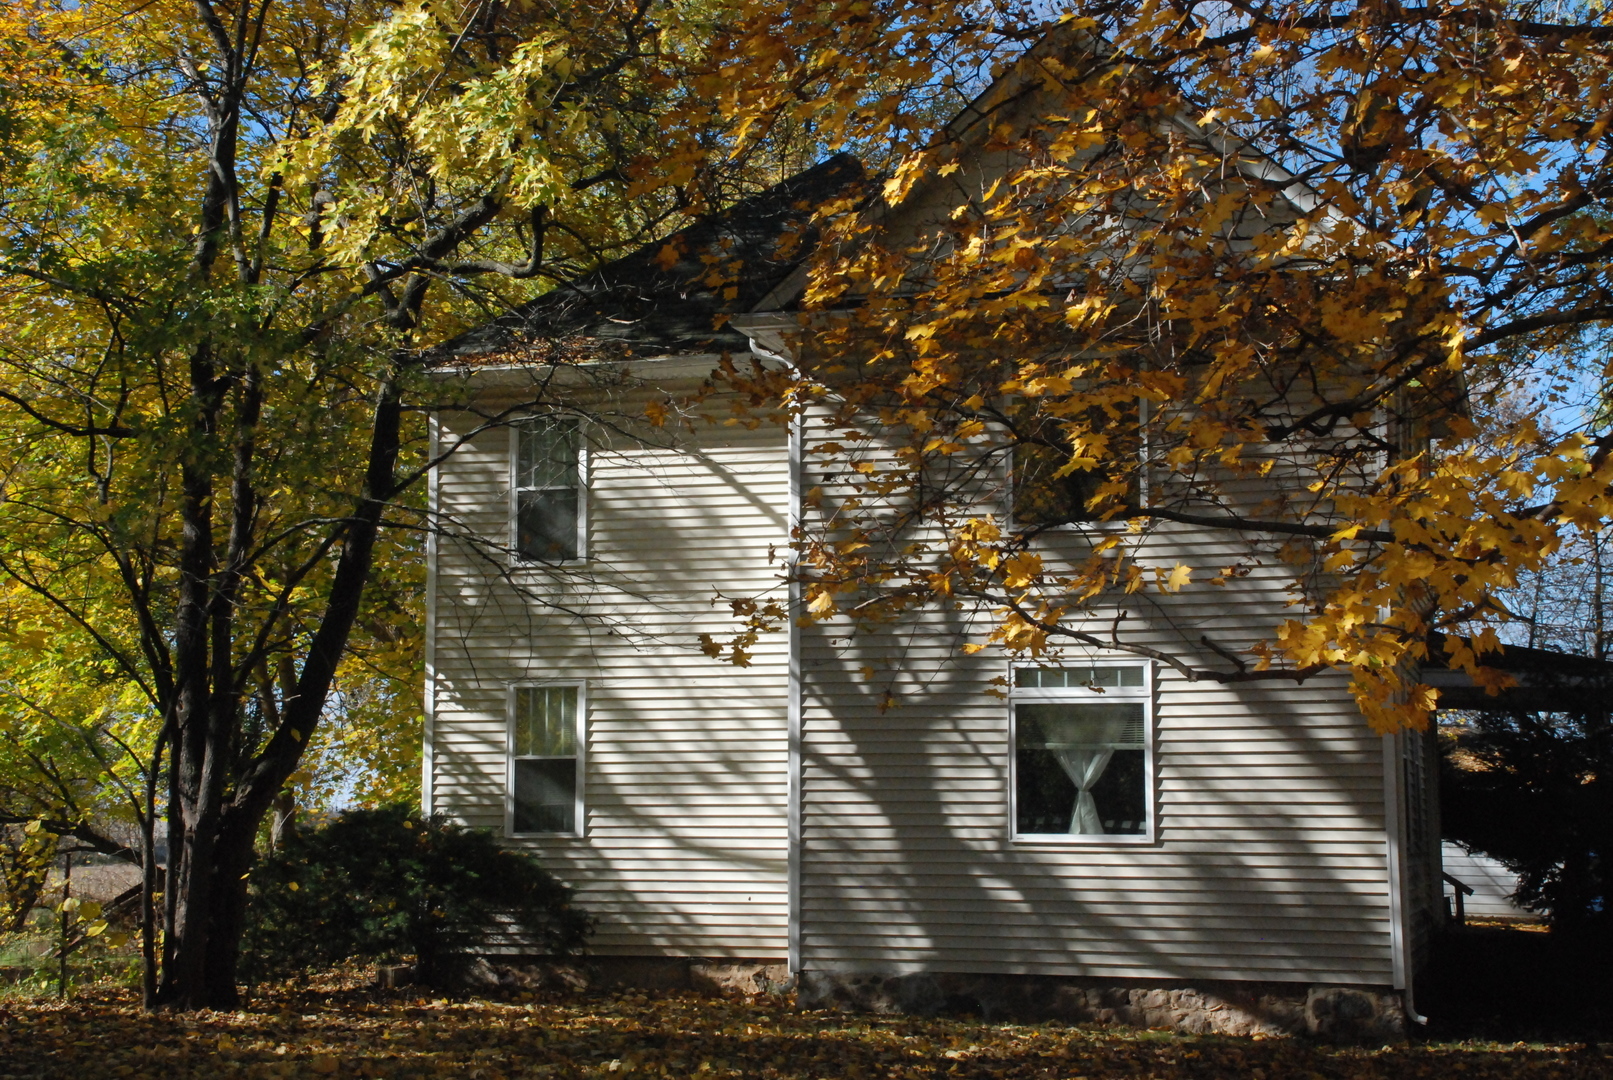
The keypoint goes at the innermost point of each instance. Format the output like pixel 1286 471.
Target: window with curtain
pixel 544 760
pixel 1081 751
pixel 549 496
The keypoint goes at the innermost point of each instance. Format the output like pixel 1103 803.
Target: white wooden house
pixel 1213 857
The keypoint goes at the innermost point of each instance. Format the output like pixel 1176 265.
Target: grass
pixel 30 969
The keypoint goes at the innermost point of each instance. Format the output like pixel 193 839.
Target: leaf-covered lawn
pixel 358 1034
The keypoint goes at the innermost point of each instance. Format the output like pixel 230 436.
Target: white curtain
pixel 1084 766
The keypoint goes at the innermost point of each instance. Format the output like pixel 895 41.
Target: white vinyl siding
pixel 1268 857
pixel 1492 884
pixel 683 835
pixel 1268 860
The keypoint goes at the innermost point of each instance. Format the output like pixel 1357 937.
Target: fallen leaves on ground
pixel 350 1032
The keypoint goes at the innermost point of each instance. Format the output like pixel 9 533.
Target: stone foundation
pixel 711 976
pixel 1360 1014
pixel 1333 1013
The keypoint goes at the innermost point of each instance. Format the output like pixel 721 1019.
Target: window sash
pixel 1037 497
pixel 1074 713
pixel 548 522
pixel 1057 725
pixel 548 489
pixel 545 721
pixel 545 743
pixel 544 799
pixel 546 454
pixel 1108 676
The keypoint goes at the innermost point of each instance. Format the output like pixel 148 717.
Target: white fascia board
pixel 647 369
pixel 1253 162
pixel 769 333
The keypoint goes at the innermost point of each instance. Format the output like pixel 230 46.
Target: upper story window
pixel 550 498
pixel 545 770
pixel 1083 752
pixel 1043 497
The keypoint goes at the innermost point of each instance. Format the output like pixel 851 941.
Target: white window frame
pixel 579 822
pixel 1144 694
pixel 515 490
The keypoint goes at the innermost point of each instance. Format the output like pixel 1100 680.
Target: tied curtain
pixel 1084 766
pixel 1081 738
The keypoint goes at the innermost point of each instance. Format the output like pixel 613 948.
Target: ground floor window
pixel 1082 751
pixel 545 765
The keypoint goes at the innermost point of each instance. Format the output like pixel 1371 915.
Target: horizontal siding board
pixel 1112 935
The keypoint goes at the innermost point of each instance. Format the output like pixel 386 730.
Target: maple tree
pixel 1261 274
pixel 1257 269
pixel 230 232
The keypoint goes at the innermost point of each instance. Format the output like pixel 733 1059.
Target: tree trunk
pixel 210 919
pixel 227 915
pixel 213 825
pixel 284 823
pixel 184 974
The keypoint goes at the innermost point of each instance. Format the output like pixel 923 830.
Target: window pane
pixel 1098 675
pixel 1042 497
pixel 546 524
pixel 1080 768
pixel 1107 675
pixel 545 721
pixel 546 795
pixel 1098 723
pixel 547 454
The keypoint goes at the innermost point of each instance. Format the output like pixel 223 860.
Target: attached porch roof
pixel 1546 680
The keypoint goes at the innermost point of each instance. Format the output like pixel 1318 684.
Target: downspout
pixel 1394 824
pixel 793 683
pixel 429 704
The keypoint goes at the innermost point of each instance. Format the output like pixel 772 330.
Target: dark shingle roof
pixel 668 296
pixel 1546 680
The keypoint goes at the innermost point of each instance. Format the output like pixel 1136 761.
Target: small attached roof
pixel 1546 680
pixel 674 295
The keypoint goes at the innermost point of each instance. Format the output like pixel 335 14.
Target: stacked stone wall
pixel 1333 1013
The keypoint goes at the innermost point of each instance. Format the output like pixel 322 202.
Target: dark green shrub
pixel 383 884
pixel 1534 790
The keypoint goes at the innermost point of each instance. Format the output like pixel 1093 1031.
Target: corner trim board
pixel 793 717
pixel 1398 939
pixel 429 704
